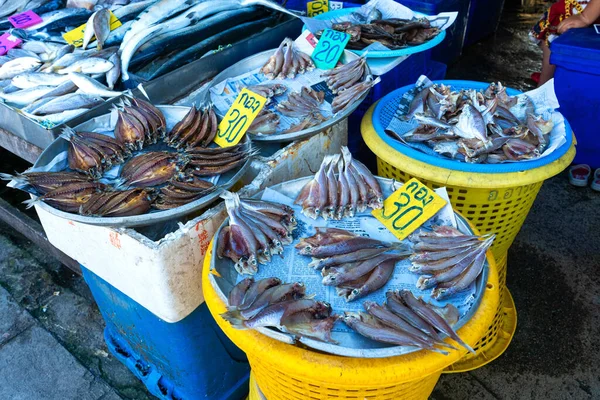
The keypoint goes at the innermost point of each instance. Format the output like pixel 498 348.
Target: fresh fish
pixel 304 324
pixel 91 86
pixel 18 66
pixel 58 118
pixel 115 37
pixel 68 102
pixel 59 19
pixel 26 96
pixel 10 88
pixel 97 25
pixel 62 89
pixel 11 7
pixel 33 79
pixel 89 66
pixel 113 75
pixel 127 12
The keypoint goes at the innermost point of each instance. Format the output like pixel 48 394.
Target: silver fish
pixel 93 65
pixel 113 75
pixel 91 86
pixel 26 96
pixel 34 79
pixel 69 102
pixel 59 118
pixel 18 66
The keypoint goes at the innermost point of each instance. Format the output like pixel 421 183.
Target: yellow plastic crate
pixel 494 203
pixel 283 371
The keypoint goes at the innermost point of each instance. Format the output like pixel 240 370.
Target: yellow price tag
pixel 408 208
pixel 75 36
pixel 317 7
pixel 239 118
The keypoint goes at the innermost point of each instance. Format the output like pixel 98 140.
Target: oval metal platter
pixel 257 61
pixel 173 114
pixel 350 344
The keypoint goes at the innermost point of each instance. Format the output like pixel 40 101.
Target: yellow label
pixel 75 36
pixel 238 119
pixel 408 208
pixel 314 8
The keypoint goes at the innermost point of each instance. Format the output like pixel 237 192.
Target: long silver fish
pixel 15 67
pixel 91 86
pixel 92 65
pixel 26 96
pixel 69 102
pixel 34 79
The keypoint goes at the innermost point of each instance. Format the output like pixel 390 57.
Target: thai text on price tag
pixel 7 42
pixel 239 117
pixel 314 8
pixel 408 208
pixel 25 19
pixel 75 36
pixel 330 48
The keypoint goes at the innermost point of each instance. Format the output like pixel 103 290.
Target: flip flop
pixel 579 175
pixel 596 180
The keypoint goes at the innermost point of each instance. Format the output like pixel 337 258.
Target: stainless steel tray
pixel 173 114
pixel 350 344
pixel 258 60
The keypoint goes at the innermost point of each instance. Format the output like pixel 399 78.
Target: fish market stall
pixel 410 140
pixel 304 336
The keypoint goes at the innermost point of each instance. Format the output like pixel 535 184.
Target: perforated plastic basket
pixel 284 371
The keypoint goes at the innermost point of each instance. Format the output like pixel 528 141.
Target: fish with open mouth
pixel 448 260
pixel 285 306
pixel 256 231
pixel 485 126
pixel 341 187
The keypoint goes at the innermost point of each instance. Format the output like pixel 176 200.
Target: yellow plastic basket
pixel 284 371
pixel 254 391
pixel 496 203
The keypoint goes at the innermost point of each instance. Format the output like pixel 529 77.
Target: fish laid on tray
pixel 448 260
pixel 341 187
pixel 405 320
pixel 162 180
pixel 348 82
pixel 52 81
pixel 355 265
pixel 256 231
pixel 485 126
pixel 285 306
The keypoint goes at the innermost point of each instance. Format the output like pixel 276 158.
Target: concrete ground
pixel 51 344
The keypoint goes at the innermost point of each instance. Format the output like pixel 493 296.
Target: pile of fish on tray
pixel 486 126
pixel 347 82
pixel 341 187
pixel 405 320
pixel 270 303
pixel 448 260
pixel 147 179
pixel 51 81
pixel 257 230
pixel 355 265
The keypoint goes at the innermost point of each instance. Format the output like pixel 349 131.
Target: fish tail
pixel 444 344
pixel 8 177
pixel 234 318
pixel 31 202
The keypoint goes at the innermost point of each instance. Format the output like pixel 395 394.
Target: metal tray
pixel 173 114
pixel 350 344
pixel 257 61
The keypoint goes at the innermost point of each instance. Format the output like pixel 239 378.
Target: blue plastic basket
pixel 389 53
pixel 576 55
pixel 187 360
pixel 451 48
pixel 385 110
pixel 484 16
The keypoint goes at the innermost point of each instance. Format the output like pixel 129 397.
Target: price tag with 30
pixel 330 48
pixel 75 36
pixel 239 117
pixel 314 8
pixel 408 208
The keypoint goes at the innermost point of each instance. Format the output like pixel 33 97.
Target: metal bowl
pixel 350 344
pixel 257 61
pixel 173 114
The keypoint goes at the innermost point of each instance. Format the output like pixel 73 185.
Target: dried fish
pixel 348 96
pixel 69 197
pixel 346 75
pixel 152 169
pixel 119 203
pixel 41 183
pixel 287 62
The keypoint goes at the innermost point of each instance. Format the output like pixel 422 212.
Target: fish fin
pixel 31 202
pixel 234 318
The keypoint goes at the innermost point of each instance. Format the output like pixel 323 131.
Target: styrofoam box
pixel 165 276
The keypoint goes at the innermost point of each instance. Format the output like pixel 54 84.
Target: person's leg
pixel 547 68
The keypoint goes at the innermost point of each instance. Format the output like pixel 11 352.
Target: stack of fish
pixel 287 62
pixel 256 231
pixel 448 260
pixel 182 190
pixel 210 161
pixel 478 126
pixel 355 265
pixel 393 33
pixel 119 203
pixel 154 168
pixel 93 153
pixel 346 75
pixel 156 37
pixel 407 321
pixel 336 195
pixel 69 197
pixel 197 128
pixel 270 303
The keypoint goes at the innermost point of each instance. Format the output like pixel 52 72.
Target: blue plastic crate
pixel 451 48
pixel 190 359
pixel 484 16
pixel 576 55
pixel 300 5
pixel 405 73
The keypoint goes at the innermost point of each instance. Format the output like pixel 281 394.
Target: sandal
pixel 596 180
pixel 579 175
